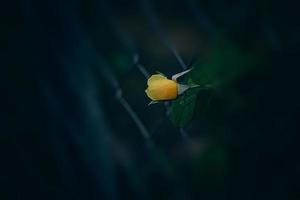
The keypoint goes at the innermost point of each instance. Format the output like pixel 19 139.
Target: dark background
pixel 65 134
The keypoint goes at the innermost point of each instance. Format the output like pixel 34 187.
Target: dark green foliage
pixel 224 64
pixel 183 107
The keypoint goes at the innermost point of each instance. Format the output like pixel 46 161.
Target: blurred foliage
pixel 224 64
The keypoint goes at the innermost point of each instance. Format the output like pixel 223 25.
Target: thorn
pixel 176 76
pixel 161 73
pixel 182 88
pixel 152 102
pixel 194 86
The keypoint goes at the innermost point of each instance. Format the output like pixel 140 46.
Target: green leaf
pixel 183 107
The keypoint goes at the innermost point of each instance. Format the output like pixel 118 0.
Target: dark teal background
pixel 64 135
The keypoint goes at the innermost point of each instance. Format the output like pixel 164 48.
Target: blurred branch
pixel 140 66
pixel 118 91
pixel 155 25
pixel 133 115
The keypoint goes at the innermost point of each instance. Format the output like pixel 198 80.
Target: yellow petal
pixel 161 88
pixel 155 77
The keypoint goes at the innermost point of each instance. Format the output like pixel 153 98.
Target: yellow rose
pixel 161 88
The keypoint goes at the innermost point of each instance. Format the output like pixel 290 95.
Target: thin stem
pixel 134 116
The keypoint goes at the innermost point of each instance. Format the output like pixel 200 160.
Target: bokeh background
pixel 75 121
